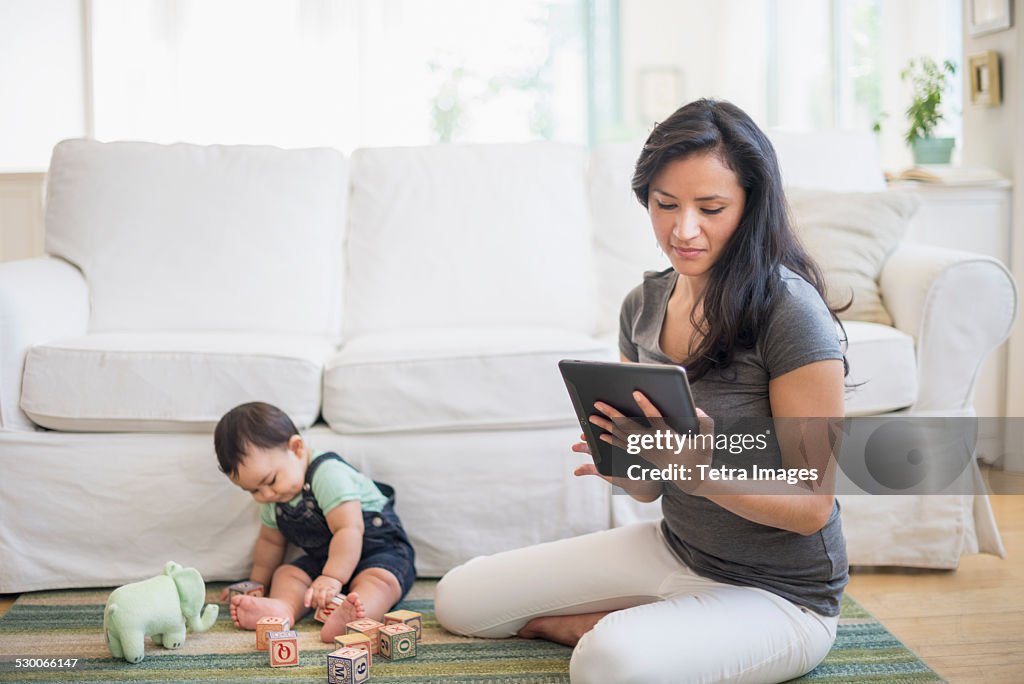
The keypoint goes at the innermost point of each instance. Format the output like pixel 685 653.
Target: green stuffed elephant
pixel 158 607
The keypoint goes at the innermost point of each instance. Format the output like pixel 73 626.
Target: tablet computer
pixel 614 383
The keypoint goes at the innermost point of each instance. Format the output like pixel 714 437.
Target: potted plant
pixel 928 82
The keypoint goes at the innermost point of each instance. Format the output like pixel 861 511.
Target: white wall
pixel 687 35
pixel 994 138
pixel 41 80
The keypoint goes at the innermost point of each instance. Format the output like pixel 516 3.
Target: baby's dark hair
pixel 253 424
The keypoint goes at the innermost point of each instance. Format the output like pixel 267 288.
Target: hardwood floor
pixel 968 625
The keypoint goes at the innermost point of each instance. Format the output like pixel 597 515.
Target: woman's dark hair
pixel 253 424
pixel 744 282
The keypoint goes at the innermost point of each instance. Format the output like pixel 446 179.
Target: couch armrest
pixel 958 306
pixel 41 300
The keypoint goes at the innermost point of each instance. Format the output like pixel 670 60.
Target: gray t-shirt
pixel 810 570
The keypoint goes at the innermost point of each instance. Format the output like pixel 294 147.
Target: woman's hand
pixel 621 430
pixel 321 592
pixel 641 490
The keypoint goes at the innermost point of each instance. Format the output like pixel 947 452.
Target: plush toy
pixel 158 607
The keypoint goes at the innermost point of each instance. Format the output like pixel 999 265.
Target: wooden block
pixel 369 628
pixel 324 612
pixel 355 640
pixel 348 666
pixel 397 641
pixel 406 617
pixel 246 589
pixel 284 648
pixel 266 625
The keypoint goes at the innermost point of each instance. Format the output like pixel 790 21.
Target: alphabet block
pixel 266 625
pixel 284 648
pixel 397 641
pixel 369 628
pixel 324 612
pixel 348 666
pixel 354 640
pixel 246 589
pixel 406 617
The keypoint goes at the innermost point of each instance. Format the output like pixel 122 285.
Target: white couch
pixel 407 308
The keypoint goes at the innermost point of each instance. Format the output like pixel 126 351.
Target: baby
pixel 345 522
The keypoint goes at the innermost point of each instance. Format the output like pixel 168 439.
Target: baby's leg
pixel 287 589
pixel 371 594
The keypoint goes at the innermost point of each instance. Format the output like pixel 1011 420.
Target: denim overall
pixel 385 544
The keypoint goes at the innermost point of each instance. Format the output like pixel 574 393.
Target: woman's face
pixel 695 205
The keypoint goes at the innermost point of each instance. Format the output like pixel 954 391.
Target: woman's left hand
pixel 620 431
pixel 321 592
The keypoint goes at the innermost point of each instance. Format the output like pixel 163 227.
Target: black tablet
pixel 614 383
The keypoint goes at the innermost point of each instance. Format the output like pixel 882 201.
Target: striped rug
pixel 68 624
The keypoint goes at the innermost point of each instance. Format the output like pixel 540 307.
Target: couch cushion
pixel 850 235
pixel 624 242
pixel 453 379
pixel 883 369
pixel 165 382
pixel 475 235
pixel 183 237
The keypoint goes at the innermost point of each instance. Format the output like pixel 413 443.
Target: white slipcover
pixel 183 237
pixel 883 374
pixel 169 381
pixel 455 379
pixel 476 235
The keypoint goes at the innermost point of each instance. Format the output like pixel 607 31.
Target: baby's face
pixel 273 475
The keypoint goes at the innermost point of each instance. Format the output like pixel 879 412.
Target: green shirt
pixel 334 483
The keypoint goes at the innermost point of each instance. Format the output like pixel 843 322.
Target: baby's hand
pixel 321 592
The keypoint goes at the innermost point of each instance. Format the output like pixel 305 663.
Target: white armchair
pixel 40 300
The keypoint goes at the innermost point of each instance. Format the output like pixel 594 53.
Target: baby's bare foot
pixel 247 610
pixel 350 609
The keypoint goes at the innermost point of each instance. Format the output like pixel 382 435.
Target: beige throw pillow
pixel 850 235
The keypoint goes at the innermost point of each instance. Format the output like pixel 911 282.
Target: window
pixel 345 74
pixel 795 64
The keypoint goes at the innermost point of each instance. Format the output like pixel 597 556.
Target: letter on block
pixel 397 642
pixel 369 628
pixel 348 666
pixel 355 640
pixel 245 588
pixel 324 612
pixel 406 617
pixel 284 648
pixel 266 625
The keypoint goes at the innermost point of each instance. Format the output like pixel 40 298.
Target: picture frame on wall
pixel 988 16
pixel 985 79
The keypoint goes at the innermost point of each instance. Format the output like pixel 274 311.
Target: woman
pixel 734 584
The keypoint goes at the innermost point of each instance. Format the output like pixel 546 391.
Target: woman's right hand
pixel 640 490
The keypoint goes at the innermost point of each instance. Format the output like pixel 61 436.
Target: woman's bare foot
pixel 350 609
pixel 562 629
pixel 247 610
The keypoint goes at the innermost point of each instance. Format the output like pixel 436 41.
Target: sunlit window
pixel 344 74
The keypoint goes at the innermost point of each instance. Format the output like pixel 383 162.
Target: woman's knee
pixel 607 654
pixel 454 605
pixel 474 600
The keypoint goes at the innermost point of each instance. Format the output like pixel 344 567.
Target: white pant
pixel 670 624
